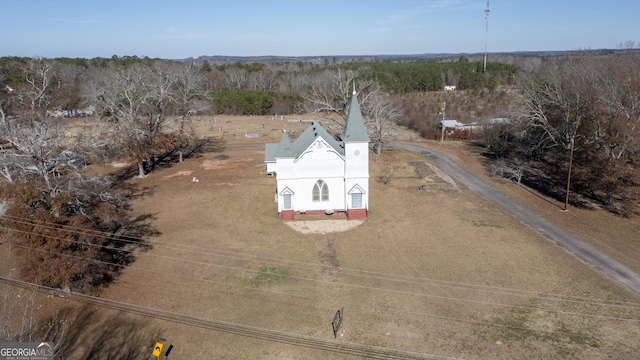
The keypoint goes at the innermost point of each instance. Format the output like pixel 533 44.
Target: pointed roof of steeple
pixel 354 129
pixel 285 149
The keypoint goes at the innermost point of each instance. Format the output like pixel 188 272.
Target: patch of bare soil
pixel 323 226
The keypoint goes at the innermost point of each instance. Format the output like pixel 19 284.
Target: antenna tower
pixel 486 33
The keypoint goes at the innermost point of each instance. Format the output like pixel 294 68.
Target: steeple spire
pixel 354 128
pixel 285 148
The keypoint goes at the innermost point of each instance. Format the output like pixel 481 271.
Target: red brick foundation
pixel 351 214
pixel 356 214
pixel 286 215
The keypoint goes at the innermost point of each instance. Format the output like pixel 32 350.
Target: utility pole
pixel 444 106
pixel 486 34
pixel 566 200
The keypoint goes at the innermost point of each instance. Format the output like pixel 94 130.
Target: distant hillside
pixel 506 57
pixel 222 59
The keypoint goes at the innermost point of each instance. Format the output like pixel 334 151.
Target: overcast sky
pixel 189 28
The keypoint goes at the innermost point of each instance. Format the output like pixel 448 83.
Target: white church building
pixel 319 174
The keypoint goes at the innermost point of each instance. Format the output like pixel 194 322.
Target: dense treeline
pixel 253 102
pixel 433 75
pixel 293 79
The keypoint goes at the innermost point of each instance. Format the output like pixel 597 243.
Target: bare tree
pixel 261 80
pixel 380 109
pixel 553 109
pixel 141 101
pixel 331 91
pixel 190 98
pixel 214 79
pixel 38 149
pixel 22 321
pixel 137 101
pixel 34 143
pixel 616 134
pixel 513 169
pixel 236 77
pixel 6 93
pixel 595 103
pixel 41 81
pixel 552 113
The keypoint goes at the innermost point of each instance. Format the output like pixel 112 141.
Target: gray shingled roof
pixel 270 151
pixel 354 129
pixel 309 136
pixel 285 149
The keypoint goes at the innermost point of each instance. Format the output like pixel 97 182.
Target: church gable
pixel 287 191
pixel 356 189
pixel 319 160
pixel 320 149
pixel 311 134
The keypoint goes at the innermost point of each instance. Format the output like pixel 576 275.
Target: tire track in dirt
pixel 329 273
pixel 325 244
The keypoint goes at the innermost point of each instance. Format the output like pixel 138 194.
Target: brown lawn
pixel 437 271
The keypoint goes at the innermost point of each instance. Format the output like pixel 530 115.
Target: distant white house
pixel 319 174
pixel 450 124
pixel 474 126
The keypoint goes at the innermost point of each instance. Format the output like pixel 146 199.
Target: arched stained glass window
pixel 320 191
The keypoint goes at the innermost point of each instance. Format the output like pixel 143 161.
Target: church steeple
pixel 354 129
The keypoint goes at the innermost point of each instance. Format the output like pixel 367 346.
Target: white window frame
pixel 320 191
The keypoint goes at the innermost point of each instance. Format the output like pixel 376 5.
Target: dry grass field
pixel 438 271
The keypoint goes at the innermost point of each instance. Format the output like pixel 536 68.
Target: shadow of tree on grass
pixel 534 179
pixel 96 333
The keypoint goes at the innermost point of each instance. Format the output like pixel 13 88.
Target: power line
pixel 356 272
pixel 334 283
pixel 308 341
pixel 513 327
pixel 394 310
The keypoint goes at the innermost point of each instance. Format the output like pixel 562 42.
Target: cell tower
pixel 486 34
